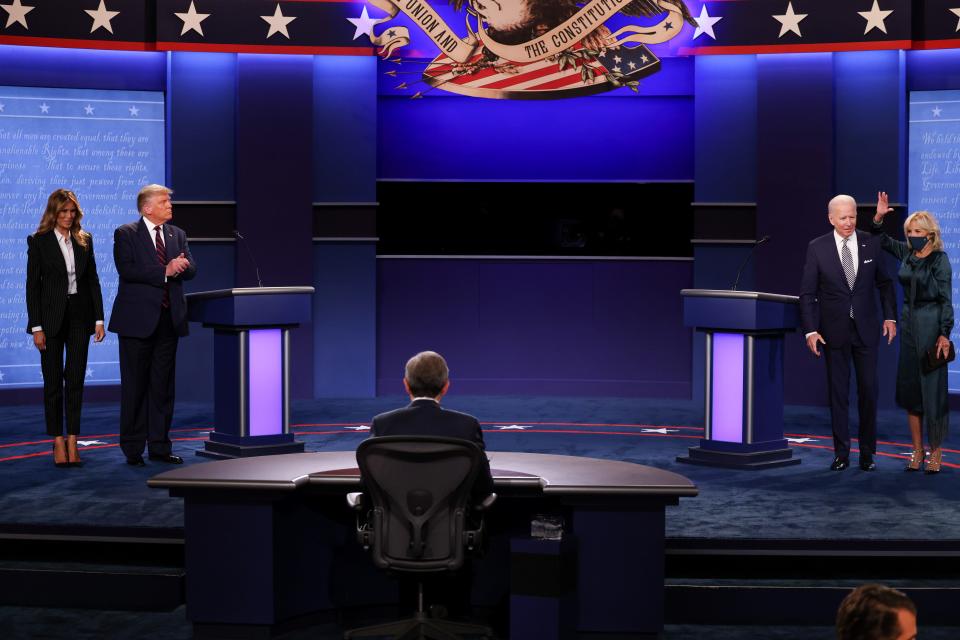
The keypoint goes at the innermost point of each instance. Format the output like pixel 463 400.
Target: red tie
pixel 162 259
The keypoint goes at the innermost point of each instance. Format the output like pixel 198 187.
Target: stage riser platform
pixel 773 605
pixel 91 589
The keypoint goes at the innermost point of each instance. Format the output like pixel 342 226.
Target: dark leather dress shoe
pixel 168 458
pixel 839 464
pixel 136 462
pixel 867 464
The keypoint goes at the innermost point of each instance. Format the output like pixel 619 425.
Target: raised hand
pixel 883 206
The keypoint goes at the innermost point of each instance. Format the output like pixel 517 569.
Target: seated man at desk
pixel 427 379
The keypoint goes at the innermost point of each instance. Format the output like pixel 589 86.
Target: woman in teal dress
pixel 925 323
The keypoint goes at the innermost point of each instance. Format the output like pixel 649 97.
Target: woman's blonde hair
pixel 55 202
pixel 926 221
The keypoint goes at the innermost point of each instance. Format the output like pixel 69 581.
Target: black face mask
pixel 917 243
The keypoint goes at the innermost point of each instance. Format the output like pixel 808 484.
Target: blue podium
pixel 251 356
pixel 743 408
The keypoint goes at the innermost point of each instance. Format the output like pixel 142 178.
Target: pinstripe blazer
pixel 46 290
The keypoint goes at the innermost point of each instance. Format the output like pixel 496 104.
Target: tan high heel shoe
pixel 933 462
pixel 73 455
pixel 59 453
pixel 916 460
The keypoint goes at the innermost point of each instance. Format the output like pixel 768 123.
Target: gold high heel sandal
pixel 933 462
pixel 916 460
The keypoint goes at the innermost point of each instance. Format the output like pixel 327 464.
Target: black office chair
pixel 413 518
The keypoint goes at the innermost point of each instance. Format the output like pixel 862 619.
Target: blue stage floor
pixel 801 502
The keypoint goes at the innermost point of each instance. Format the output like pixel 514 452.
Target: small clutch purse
pixel 931 362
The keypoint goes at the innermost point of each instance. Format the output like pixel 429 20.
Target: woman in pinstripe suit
pixel 64 307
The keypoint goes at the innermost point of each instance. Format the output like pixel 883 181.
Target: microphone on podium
pixel 242 240
pixel 747 259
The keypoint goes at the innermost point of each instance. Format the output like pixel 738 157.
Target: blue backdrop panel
pixel 585 327
pixel 274 135
pixel 104 145
pixel 82 68
pixel 795 173
pixel 870 104
pixel 195 355
pixel 202 99
pixel 345 129
pixel 726 129
pixel 344 320
pixel 580 139
pixel 935 176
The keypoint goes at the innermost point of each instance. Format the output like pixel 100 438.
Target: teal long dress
pixel 927 314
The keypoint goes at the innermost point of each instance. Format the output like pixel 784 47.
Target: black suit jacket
pixel 826 298
pixel 427 418
pixel 46 288
pixel 136 310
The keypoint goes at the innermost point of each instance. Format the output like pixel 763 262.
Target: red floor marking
pixel 898 456
pixel 591 433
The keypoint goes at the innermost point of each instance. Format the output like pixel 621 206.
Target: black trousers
pixel 63 382
pixel 147 377
pixel 864 357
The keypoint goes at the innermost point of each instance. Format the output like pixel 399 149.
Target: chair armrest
pixel 486 503
pixel 355 501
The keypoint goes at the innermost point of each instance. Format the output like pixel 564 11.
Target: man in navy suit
pixel 838 309
pixel 150 315
pixel 426 379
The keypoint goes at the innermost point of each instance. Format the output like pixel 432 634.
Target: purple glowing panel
pixel 265 373
pixel 726 412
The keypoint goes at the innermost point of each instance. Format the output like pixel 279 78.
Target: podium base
pixel 248 447
pixel 765 459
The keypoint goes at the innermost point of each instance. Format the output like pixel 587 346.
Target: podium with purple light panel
pixel 251 358
pixel 743 392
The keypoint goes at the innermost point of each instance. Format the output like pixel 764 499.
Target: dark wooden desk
pixel 269 539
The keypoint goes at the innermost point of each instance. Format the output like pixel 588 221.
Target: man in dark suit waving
pixel 426 379
pixel 150 315
pixel 838 309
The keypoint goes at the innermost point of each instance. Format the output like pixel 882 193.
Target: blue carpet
pixel 806 501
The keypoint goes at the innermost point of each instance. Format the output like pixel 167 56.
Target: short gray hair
pixel 426 374
pixel 148 192
pixel 841 199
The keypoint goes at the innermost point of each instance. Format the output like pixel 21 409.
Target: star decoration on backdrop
pixel 88 110
pixel 134 111
pixel 705 23
pixel 364 24
pixel 192 19
pixel 16 12
pixel 936 111
pixel 2 106
pixel 44 108
pixel 102 17
pixel 875 18
pixel 2 374
pixel 89 372
pixel 278 23
pixel 955 12
pixel 790 21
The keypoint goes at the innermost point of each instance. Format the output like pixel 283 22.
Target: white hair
pixel 839 200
